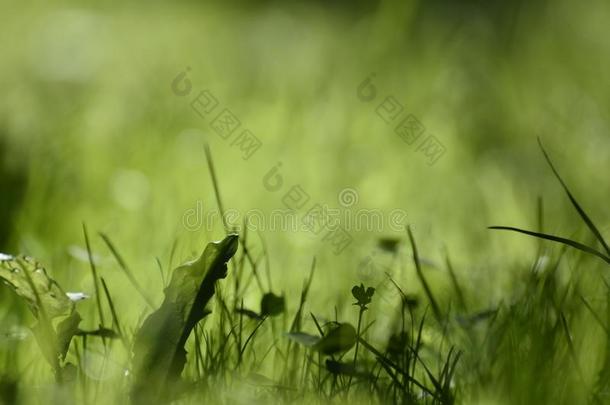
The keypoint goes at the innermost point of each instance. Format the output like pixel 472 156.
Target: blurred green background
pixel 91 131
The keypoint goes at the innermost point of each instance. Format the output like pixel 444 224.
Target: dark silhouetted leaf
pixel 398 344
pixel 363 296
pixel 101 332
pixel 349 369
pixel 159 353
pixel 272 305
pixel 389 244
pixel 340 339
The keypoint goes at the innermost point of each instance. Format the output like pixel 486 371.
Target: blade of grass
pixel 575 203
pixel 385 361
pixel 570 341
pixel 95 278
pixel 317 324
pixel 243 349
pixel 160 266
pixel 239 267
pixel 123 266
pixel 418 342
pixel 422 279
pixel 540 214
pixel 115 318
pixel 456 285
pixel 569 242
pixel 595 315
pixel 267 262
pixel 296 322
pixel 208 155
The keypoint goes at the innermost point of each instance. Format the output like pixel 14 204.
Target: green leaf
pixel 343 368
pixel 53 300
pixel 272 305
pixel 304 339
pixel 340 339
pixel 390 245
pixel 159 353
pixel 55 311
pixel 363 295
pixel 67 328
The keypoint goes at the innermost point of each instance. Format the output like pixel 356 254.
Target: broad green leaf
pixel 55 311
pixel 340 339
pixel 52 297
pixel 159 353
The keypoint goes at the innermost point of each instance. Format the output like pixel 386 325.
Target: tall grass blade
pixel 435 308
pixel 575 203
pixel 568 242
pixel 95 278
pixel 208 155
pixel 126 269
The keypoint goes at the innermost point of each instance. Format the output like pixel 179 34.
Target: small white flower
pixel 77 296
pixel 5 257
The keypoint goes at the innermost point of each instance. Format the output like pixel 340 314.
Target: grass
pixel 186 351
pixel 91 132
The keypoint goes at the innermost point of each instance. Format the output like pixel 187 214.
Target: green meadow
pixel 305 202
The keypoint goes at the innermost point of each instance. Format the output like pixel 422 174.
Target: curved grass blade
pixel 569 242
pixel 577 206
pixel 243 349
